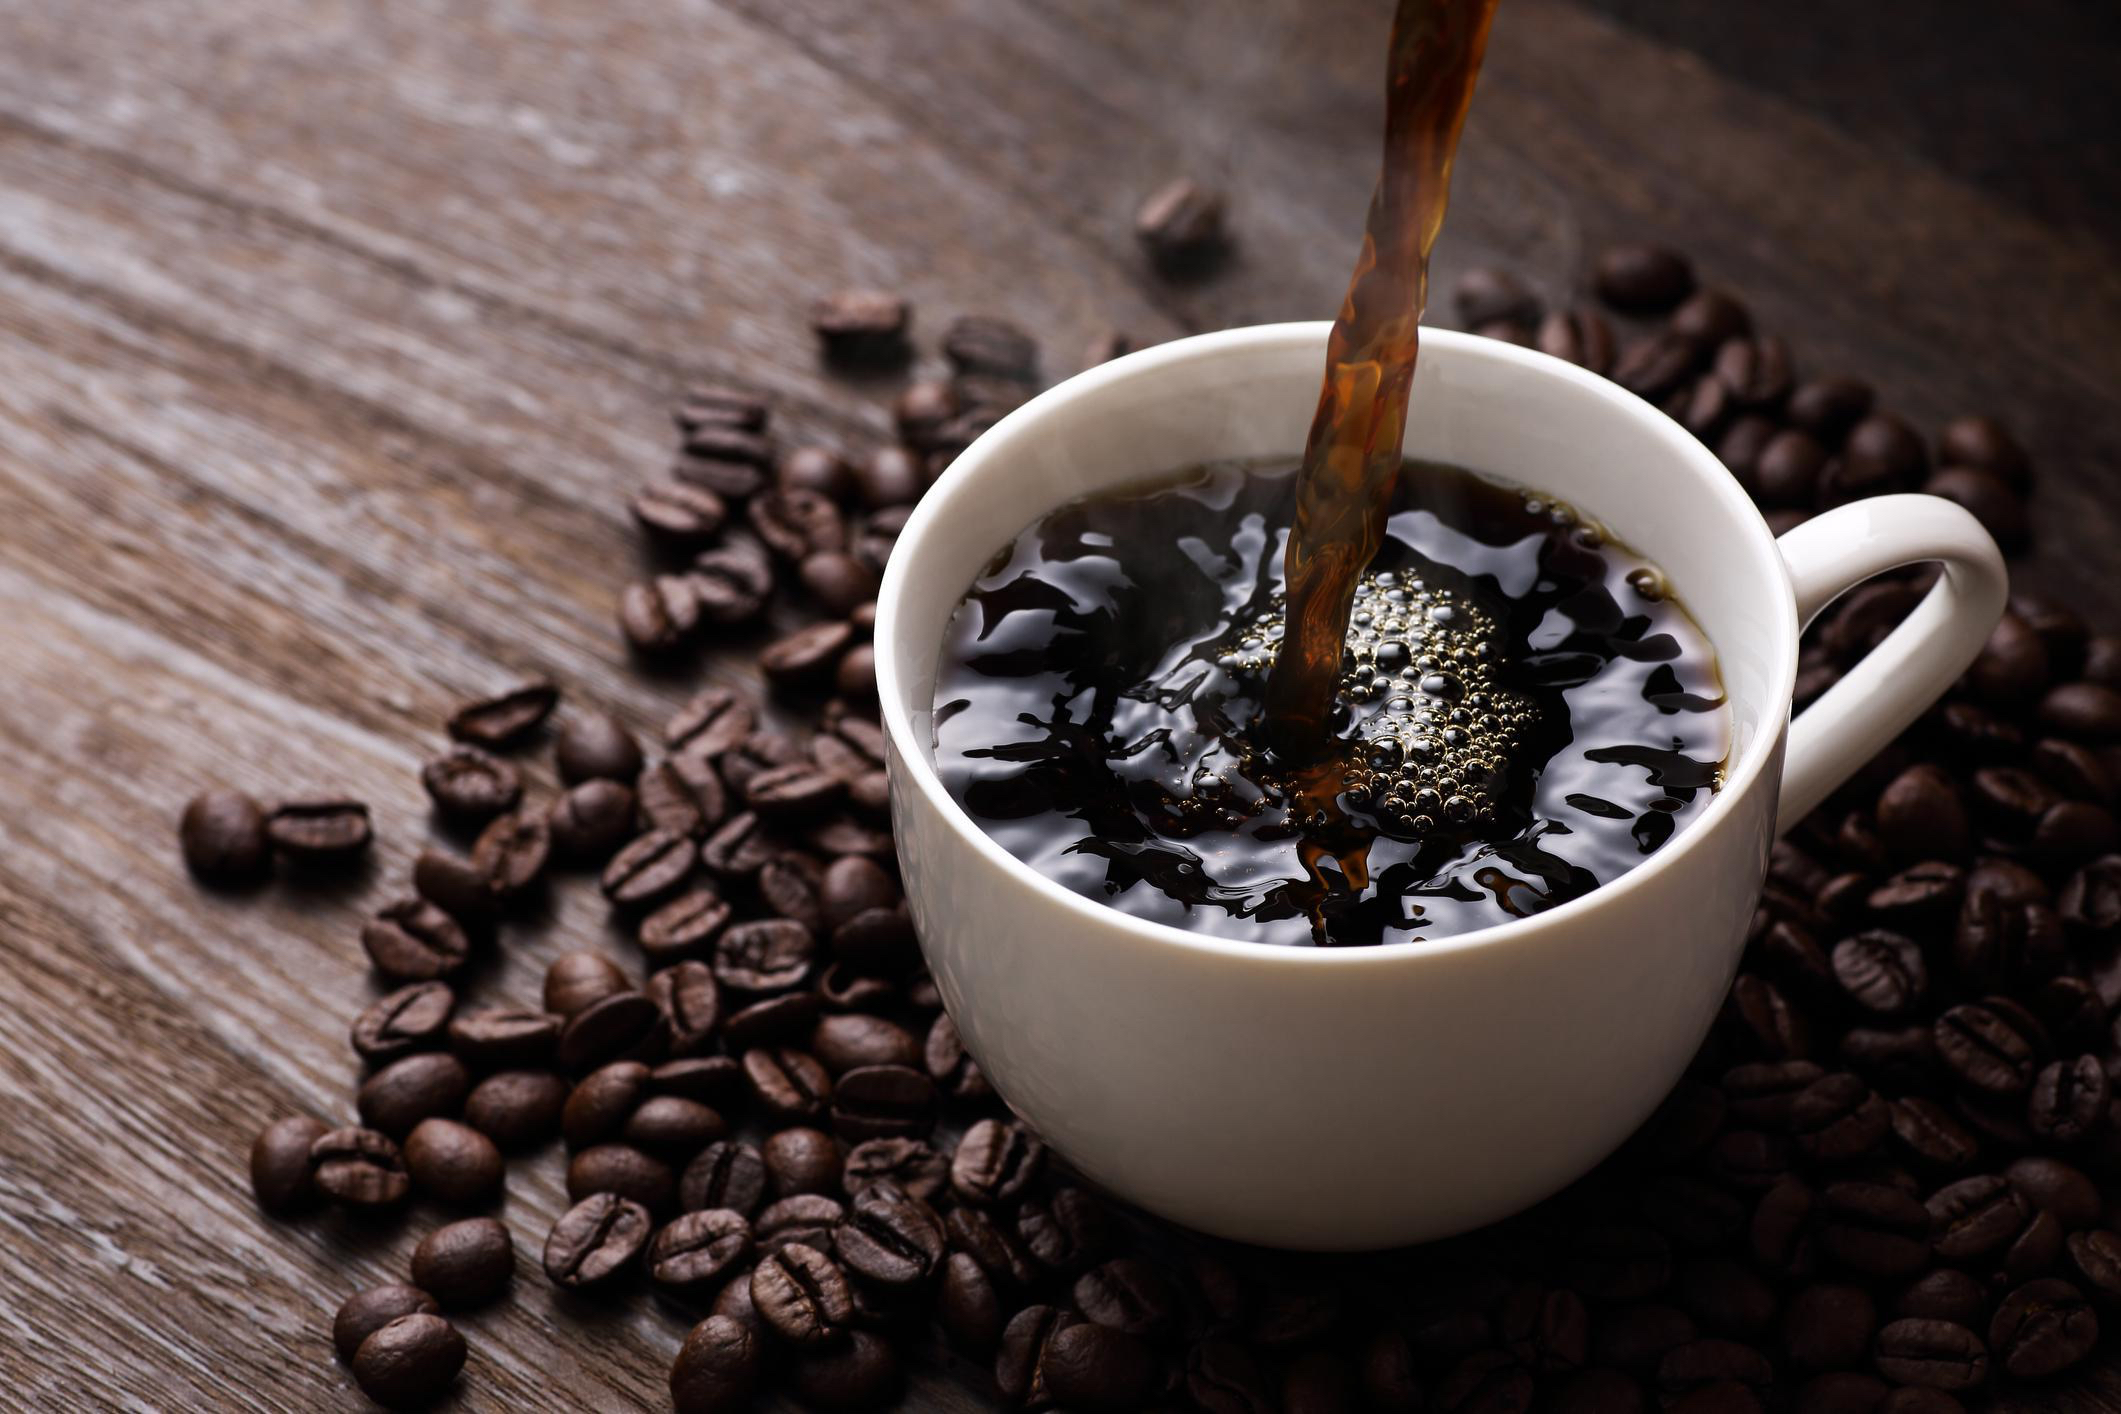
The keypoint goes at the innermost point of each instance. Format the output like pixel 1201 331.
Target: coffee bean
pixel 690 1002
pixel 807 1218
pixel 1579 335
pixel 862 327
pixel 512 851
pixel 1221 1375
pixel 1486 295
pixel 1985 1049
pixel 673 1127
pixel 715 720
pixel 359 1167
pixel 889 1237
pixel 319 830
pixel 622 1169
pixel 1873 1230
pixel 1653 365
pixel 223 836
pixel 622 1026
pixel 1710 317
pixel 1066 1233
pixel 2043 1328
pixel 1920 816
pixel 789 1083
pixel 1786 469
pixel 506 718
pixel 730 584
pixel 802 1296
pixel 839 582
pixel 1930 1133
pixel 915 1167
pixel 504 1037
pixel 602 1101
pixel 717 1368
pixel 1127 1294
pixel 696 1250
pixel 847 1042
pixel 1881 971
pixel 1988 499
pixel 411 1089
pixel 1982 442
pixel 2096 1255
pixel 453 1162
pixel 981 344
pixel 578 980
pixel 1090 1366
pixel 678 513
pixel 1828 407
pixel 1828 1326
pixel 410 1361
pixel 683 796
pixel 1838 1117
pixel 2069 1100
pixel 785 1018
pixel 1755 369
pixel 995 1161
pixel 595 1240
pixel 892 476
pixel 717 1081
pixel 806 654
pixel 468 784
pixel 2053 1186
pixel 685 927
pixel 465 1263
pixel 282 1168
pixel 456 886
pixel 1742 445
pixel 367 1311
pixel 1938 1354
pixel 1641 278
pixel 658 615
pixel 412 1018
pixel 1020 1365
pixel 1484 1380
pixel 781 793
pixel 861 1372
pixel 726 1174
pixel 1976 1216
pixel 1763 1093
pixel 796 524
pixel 952 1069
pixel 2085 711
pixel 596 746
pixel 517 1109
pixel 1771 1025
pixel 764 956
pixel 802 1160
pixel 650 869
pixel 1180 224
pixel 967 1305
pixel 883 1101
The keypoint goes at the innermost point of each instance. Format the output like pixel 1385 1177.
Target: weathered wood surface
pixel 331 336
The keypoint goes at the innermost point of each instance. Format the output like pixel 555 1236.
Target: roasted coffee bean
pixel 696 1250
pixel 726 1174
pixel 1931 1135
pixel 1881 972
pixel 2052 1186
pixel 1632 1337
pixel 1221 1376
pixel 764 956
pixel 879 940
pixel 2043 1328
pixel 691 1003
pixel 358 1166
pixel 650 869
pixel 1942 1295
pixel 506 718
pixel 468 784
pixel 1838 1117
pixel 224 838
pixel 806 1218
pixel 1828 407
pixel 1975 1217
pixel 683 795
pixel 1127 1294
pixel 1989 500
pixel 596 746
pixel 658 615
pixel 1774 1027
pixel 367 1311
pixel 789 886
pixel 456 886
pixel 731 583
pixel 783 1019
pixel 1873 1230
pixel 843 835
pixel 1653 365
pixel 595 1240
pixel 996 1160
pixel 1066 1233
pixel 453 1162
pixel 412 1088
pixel 950 1066
pixel 716 1081
pixel 1642 278
pixel 1709 317
pixel 282 1167
pixel 622 1169
pixel 1939 1354
pixel 1698 1364
pixel 2069 1100
pixel 760 751
pixel 805 655
pixel 2013 797
pixel 2096 1256
pixel 860 1372
pixel 1090 1366
pixel 1920 816
pixel 409 1362
pixel 517 1109
pixel 2085 711
pixel 914 1166
pixel 1180 224
pixel 802 1296
pixel 967 1306
pixel 1742 445
pixel 413 1018
pixel 1580 336
pixel 739 849
pixel 860 326
pixel 837 580
pixel 818 470
pixel 802 1160
pixel 891 476
pixel 982 344
pixel 1484 1380
pixel 781 793
pixel 716 719
pixel 883 1101
pixel 679 513
pixel 788 1083
pixel 1985 1050
pixel 1918 893
pixel 889 1237
pixel 512 851
pixel 717 1368
pixel 602 1101
pixel 997 1248
pixel 1486 295
pixel 796 524
pixel 672 1127
pixel 1828 1326
pixel 622 1026
pixel 1786 469
pixel 504 1037
pixel 1755 369
pixel 1019 1367
pixel 847 1042
pixel 465 1263
pixel 2072 1011
pixel 685 927
pixel 854 885
pixel 1982 442
pixel 319 830
pixel 578 980
pixel 1546 1328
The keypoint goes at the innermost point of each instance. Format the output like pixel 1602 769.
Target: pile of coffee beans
pixel 1890 1182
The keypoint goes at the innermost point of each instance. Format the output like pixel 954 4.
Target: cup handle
pixel 1831 554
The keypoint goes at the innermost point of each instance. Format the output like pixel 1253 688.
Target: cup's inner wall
pixel 1545 426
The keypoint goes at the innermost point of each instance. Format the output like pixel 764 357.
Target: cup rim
pixel 1740 780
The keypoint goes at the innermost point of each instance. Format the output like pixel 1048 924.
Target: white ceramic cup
pixel 1367 1097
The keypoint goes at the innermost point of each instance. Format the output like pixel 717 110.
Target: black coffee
pixel 1523 713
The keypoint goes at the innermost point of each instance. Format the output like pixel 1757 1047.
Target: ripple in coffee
pixel 1523 712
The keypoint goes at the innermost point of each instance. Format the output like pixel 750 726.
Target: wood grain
pixel 332 335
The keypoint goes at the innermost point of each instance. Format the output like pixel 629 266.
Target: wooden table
pixel 331 336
